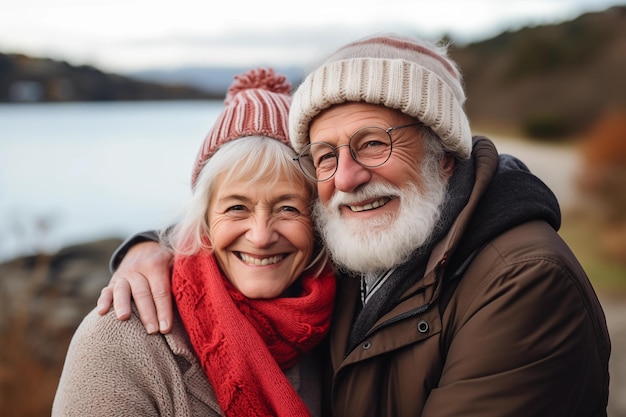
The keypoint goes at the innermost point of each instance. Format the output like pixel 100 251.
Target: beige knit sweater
pixel 113 368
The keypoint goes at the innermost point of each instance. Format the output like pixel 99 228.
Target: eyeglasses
pixel 370 147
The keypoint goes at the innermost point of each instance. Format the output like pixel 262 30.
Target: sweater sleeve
pixel 114 368
pixel 121 251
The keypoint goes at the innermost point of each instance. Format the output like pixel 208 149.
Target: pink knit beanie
pixel 257 104
pixel 402 73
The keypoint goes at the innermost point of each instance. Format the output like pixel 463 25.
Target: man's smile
pixel 370 206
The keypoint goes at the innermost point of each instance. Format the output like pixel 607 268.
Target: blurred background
pixel 103 106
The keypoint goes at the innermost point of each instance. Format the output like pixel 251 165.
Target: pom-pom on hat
pixel 257 104
pixel 414 77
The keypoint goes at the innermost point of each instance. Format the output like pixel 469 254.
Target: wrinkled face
pixel 261 234
pixel 335 126
pixel 372 219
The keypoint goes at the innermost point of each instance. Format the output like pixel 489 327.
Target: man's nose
pixel 350 174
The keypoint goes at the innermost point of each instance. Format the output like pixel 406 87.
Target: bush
pixel 545 126
pixel 603 180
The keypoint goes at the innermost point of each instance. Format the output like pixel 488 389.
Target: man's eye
pixel 372 144
pixel 324 158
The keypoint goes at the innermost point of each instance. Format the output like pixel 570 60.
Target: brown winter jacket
pixel 511 328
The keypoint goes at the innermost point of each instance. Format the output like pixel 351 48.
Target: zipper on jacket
pixel 408 314
pixel 401 317
pixel 419 310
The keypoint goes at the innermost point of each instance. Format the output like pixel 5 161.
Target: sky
pixel 131 35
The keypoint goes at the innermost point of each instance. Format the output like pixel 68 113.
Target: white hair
pixel 259 159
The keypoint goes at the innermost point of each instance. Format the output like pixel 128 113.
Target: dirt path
pixel 615 311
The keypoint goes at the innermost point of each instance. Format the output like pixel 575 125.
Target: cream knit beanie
pixel 402 73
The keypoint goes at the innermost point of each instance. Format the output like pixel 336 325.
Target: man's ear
pixel 447 164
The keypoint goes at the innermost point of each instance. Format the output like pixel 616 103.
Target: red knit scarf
pixel 242 343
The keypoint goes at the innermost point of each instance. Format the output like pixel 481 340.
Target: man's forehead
pixel 346 118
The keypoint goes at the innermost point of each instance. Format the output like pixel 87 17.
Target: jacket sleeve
pixel 112 369
pixel 526 339
pixel 121 251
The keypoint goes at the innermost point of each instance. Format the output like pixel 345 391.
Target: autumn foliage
pixel 604 158
pixel 603 179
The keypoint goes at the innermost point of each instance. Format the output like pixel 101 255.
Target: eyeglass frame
pixel 352 152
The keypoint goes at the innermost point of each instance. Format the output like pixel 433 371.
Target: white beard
pixel 375 245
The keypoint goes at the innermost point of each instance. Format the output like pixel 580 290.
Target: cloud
pixel 127 35
pixel 276 47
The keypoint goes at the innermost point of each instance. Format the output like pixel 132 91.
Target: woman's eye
pixel 289 211
pixel 237 207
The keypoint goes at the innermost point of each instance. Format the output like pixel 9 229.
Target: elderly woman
pixel 253 290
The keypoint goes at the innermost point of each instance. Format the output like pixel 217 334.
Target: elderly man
pixel 456 295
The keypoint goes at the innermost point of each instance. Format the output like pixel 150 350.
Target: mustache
pixel 366 192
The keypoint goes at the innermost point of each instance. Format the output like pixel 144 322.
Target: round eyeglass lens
pixel 371 146
pixel 323 161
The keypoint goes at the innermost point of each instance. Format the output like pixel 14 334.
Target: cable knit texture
pixel 242 343
pixel 256 104
pixel 113 368
pixel 392 71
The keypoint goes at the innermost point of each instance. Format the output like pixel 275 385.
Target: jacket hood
pixel 513 196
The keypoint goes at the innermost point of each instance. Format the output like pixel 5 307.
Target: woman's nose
pixel 262 233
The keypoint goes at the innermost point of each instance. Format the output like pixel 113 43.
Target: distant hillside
pixel 544 81
pixel 552 80
pixel 214 80
pixel 24 78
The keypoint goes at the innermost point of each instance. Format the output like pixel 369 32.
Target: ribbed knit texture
pixel 392 71
pixel 256 104
pixel 242 344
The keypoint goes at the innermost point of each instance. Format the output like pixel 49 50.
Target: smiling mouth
pixel 270 260
pixel 370 206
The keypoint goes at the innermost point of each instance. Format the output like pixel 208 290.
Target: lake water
pixel 75 172
pixel 71 173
